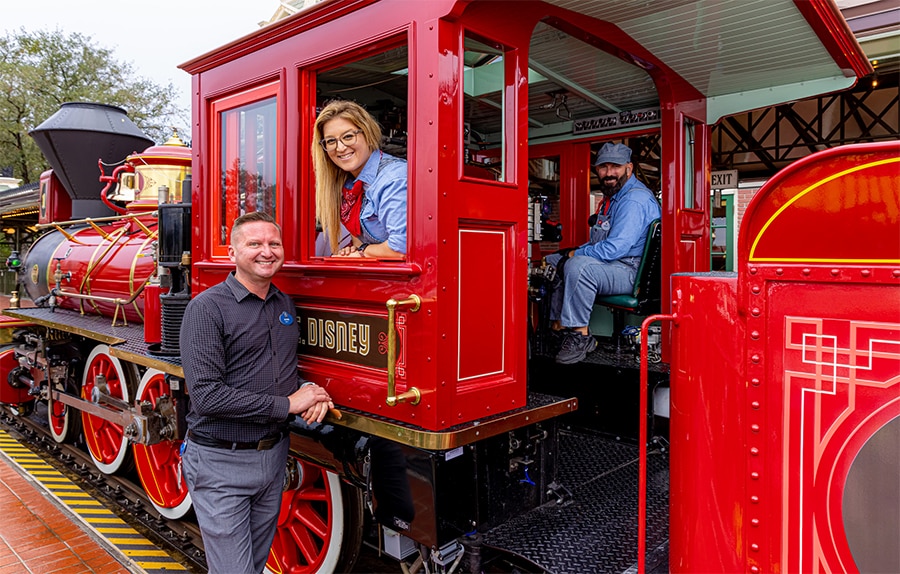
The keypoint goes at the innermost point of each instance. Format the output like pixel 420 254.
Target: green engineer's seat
pixel 645 298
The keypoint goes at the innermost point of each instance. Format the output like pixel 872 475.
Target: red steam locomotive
pixel 755 430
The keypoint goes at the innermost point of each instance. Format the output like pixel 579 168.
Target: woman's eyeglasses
pixel 348 139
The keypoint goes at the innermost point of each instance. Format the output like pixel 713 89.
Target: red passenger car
pixel 783 377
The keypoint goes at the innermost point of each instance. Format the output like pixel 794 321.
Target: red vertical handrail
pixel 642 440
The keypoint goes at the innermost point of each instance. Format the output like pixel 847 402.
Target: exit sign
pixel 724 179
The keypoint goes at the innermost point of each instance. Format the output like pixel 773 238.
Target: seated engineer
pixel 608 263
pixel 358 186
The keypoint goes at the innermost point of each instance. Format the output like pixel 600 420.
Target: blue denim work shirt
pixel 631 212
pixel 383 213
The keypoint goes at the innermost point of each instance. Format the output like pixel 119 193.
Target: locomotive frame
pixel 466 403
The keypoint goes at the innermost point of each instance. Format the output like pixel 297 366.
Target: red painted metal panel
pixel 823 324
pixel 708 420
pixel 8 394
pixel 832 380
pixel 813 199
pixel 818 373
pixel 483 312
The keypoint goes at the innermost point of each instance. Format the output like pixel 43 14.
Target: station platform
pixel 49 524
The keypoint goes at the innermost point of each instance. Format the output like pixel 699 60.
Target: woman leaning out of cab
pixel 358 186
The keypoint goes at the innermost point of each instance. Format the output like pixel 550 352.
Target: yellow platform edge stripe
pixel 13 451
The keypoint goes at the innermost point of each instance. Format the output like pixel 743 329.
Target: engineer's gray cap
pixel 619 154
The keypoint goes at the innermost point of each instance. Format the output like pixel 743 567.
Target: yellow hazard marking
pixel 150 566
pixel 130 541
pixel 130 544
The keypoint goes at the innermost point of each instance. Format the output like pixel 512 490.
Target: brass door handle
pixel 412 395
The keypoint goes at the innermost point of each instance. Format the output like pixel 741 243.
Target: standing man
pixel 239 353
pixel 608 263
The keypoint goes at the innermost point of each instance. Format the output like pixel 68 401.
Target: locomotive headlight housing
pixel 13 262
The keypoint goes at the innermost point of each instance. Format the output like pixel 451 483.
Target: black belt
pixel 264 443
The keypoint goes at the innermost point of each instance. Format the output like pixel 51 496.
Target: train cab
pixel 499 116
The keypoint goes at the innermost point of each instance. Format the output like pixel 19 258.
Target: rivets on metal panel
pixel 754 381
pixel 754 451
pixel 896 273
pixel 806 271
pixel 866 272
pixel 753 270
pixel 754 547
pixel 754 427
pixel 754 499
pixel 779 271
pixel 755 358
pixel 835 272
pixel 755 405
pixel 755 289
pixel 754 569
pixel 755 311
pixel 754 335
pixel 754 522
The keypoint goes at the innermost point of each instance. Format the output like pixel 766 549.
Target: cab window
pixel 245 159
pixel 379 85
pixel 484 106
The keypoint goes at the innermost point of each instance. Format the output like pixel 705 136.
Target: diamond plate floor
pixel 597 530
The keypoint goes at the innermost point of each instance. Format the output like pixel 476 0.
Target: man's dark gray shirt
pixel 239 355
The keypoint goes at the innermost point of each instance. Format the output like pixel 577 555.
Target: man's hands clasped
pixel 311 402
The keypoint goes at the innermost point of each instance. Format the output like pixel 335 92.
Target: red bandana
pixel 603 206
pixel 351 206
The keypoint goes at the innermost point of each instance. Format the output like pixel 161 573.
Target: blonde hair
pixel 329 177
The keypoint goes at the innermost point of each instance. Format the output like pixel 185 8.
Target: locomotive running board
pixel 540 407
pixel 125 341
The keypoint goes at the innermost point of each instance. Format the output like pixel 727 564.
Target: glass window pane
pixel 484 106
pixel 690 166
pixel 248 166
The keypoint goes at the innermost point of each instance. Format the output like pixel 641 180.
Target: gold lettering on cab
pixel 339 335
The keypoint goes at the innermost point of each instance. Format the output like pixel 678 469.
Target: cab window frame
pixel 225 206
pixel 313 101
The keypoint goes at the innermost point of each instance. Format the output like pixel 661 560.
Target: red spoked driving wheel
pixel 63 421
pixel 159 465
pixel 105 440
pixel 320 524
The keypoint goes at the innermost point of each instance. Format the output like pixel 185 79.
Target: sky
pixel 154 37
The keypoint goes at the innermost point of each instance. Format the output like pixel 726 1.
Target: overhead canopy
pixel 741 55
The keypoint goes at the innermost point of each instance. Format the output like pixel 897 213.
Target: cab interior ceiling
pixel 723 51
